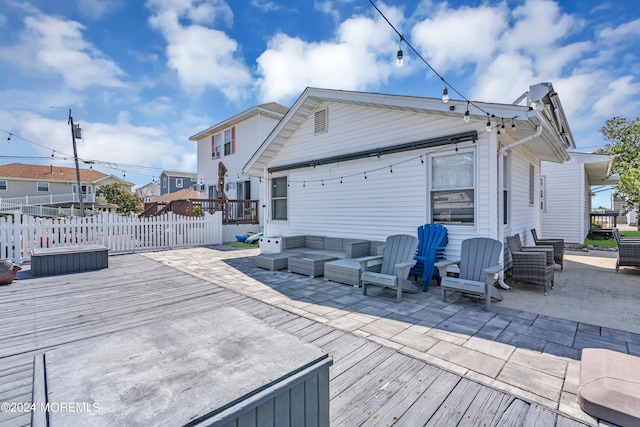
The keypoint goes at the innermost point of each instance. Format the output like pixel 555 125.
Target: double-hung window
pixel 230 141
pixel 452 191
pixel 216 149
pixel 279 198
pixel 178 182
pixel 3 184
pixel 43 186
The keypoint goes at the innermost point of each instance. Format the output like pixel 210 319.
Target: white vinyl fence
pixel 20 234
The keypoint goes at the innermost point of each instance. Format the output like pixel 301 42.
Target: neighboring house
pixel 46 190
pixel 148 191
pixel 223 150
pixel 627 216
pixel 566 195
pixel 368 165
pixel 172 181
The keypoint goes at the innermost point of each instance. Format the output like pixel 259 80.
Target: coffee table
pixel 309 264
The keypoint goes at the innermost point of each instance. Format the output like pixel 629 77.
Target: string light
pixel 488 123
pixel 400 56
pixel 513 125
pixel 9 138
pixel 467 117
pixel 445 95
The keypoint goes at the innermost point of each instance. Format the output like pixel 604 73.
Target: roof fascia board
pixel 235 120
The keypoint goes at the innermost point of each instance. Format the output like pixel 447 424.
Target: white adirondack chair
pixel 477 268
pixel 397 260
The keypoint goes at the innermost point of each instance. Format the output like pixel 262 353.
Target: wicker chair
pixel 531 264
pixel 628 251
pixel 558 247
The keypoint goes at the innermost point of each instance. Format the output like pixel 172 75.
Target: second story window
pixel 216 146
pixel 179 182
pixel 164 182
pixel 230 141
pixel 43 186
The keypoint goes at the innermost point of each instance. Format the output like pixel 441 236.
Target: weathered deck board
pixel 369 384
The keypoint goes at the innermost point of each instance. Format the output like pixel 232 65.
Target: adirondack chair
pixel 628 251
pixel 432 241
pixel 531 264
pixel 558 247
pixel 397 260
pixel 477 270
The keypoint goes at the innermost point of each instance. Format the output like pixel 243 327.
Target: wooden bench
pixel 68 259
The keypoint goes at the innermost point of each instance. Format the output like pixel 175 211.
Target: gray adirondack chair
pixel 477 268
pixel 397 260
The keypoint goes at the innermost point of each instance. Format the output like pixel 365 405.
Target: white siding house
pixel 231 143
pixel 367 165
pixel 566 195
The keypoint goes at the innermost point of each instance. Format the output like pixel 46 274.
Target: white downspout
pixel 501 152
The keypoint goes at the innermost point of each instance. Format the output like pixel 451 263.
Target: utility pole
pixel 74 129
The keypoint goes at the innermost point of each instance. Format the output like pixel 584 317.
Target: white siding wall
pixel 385 203
pixel 250 133
pixel 567 211
pixel 523 215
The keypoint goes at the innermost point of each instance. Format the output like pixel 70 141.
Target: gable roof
pixel 548 145
pixel 52 173
pixel 179 174
pixel 184 194
pixel 270 109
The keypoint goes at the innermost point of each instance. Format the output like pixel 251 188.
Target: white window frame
pixel 532 182
pixel 4 184
pixel 274 199
pixel 217 146
pixel 506 189
pixel 42 187
pixel 474 188
pixel 227 142
pixel 179 183
pixel 164 182
pixel 543 193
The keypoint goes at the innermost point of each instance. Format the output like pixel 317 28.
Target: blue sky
pixel 140 77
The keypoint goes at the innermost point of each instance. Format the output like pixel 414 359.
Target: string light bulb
pixel 488 123
pixel 400 56
pixel 445 95
pixel 9 138
pixel 467 117
pixel 513 126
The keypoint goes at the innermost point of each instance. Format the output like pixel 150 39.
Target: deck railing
pixel 233 211
pixel 46 200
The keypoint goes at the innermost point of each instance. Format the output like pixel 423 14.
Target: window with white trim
pixel 452 188
pixel 506 184
pixel 3 184
pixel 279 198
pixel 178 182
pixel 543 193
pixel 532 192
pixel 216 146
pixel 43 186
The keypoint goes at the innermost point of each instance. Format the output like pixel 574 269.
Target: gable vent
pixel 320 121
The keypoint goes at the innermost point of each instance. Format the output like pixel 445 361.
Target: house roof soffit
pixel 272 109
pixel 312 98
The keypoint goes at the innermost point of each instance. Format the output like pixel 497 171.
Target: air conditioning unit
pixel 216 154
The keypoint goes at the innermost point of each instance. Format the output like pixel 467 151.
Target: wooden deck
pixel 370 384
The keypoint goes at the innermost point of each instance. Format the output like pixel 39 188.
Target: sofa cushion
pixel 314 242
pixel 609 386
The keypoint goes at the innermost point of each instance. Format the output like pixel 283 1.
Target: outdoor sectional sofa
pixel 344 269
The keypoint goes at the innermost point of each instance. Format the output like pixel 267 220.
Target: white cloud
pixel 54 46
pixel 361 56
pixel 96 9
pixel 265 5
pixel 620 98
pixel 201 56
pixel 454 37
